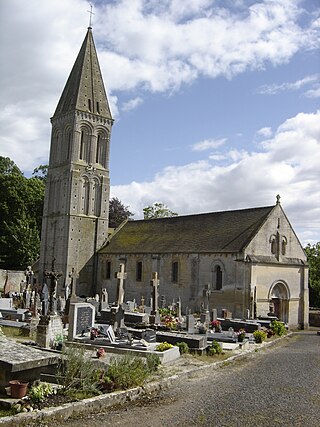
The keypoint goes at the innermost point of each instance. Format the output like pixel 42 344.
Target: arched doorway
pixel 279 301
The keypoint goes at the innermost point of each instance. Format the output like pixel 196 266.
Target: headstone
pixel 74 277
pixel 6 303
pixel 119 318
pixel 205 317
pixel 131 305
pixel 81 319
pixel 110 334
pixel 214 314
pixel 104 299
pixel 53 276
pixel 191 322
pixel 155 284
pixel 163 301
pixel 45 299
pixel 178 307
pixel 120 276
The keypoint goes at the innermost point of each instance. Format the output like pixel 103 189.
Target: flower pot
pixel 18 389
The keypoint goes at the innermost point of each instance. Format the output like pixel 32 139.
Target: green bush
pixel 183 347
pixel 153 362
pixel 127 372
pixel 277 327
pixel 215 348
pixel 163 346
pixel 259 336
pixel 39 392
pixel 77 374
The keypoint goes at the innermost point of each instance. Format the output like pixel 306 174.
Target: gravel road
pixel 279 386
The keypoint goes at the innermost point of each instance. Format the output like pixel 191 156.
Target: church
pixel 246 263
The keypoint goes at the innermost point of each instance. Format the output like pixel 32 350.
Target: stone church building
pixel 248 262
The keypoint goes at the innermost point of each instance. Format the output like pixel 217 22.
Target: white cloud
pixel 264 132
pixel 208 144
pixel 273 89
pixel 289 165
pixel 132 104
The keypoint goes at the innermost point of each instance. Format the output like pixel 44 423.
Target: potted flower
pixel 93 333
pixel 216 326
pixel 241 334
pixel 100 352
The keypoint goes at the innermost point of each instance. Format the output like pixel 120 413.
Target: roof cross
pixel 91 13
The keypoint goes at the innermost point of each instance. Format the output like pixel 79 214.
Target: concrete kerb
pixel 102 402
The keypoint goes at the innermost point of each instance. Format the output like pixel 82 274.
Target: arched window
pixel 85 196
pixel 96 197
pixel 68 144
pixel 175 272
pixel 101 149
pixel 218 278
pixel 284 243
pixel 85 145
pixel 273 242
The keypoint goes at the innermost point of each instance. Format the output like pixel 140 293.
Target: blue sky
pixel 216 103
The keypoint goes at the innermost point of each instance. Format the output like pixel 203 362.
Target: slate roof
pixel 227 231
pixel 85 83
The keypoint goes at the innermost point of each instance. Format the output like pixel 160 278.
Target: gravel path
pixel 279 386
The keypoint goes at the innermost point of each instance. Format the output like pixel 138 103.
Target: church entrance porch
pixel 279 301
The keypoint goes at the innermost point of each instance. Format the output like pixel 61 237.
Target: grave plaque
pixel 81 319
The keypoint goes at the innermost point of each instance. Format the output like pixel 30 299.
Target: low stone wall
pixel 314 317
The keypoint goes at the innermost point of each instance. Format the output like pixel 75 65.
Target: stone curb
pixel 100 403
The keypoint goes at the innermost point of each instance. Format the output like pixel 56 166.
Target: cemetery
pixel 106 331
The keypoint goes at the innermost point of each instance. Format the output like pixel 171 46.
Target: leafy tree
pixel 20 217
pixel 8 167
pixel 41 172
pixel 117 212
pixel 313 256
pixel 157 210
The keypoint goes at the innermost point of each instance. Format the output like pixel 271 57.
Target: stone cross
pixel 53 275
pixel 178 308
pixel 155 283
pixel 74 276
pixel 45 299
pixel 121 277
pixel 206 295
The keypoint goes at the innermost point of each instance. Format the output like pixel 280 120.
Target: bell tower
pixel 76 207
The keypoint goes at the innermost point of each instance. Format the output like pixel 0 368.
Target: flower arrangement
pixel 170 321
pixel 100 352
pixel 163 346
pixel 94 332
pixel 259 336
pixel 216 325
pixel 241 334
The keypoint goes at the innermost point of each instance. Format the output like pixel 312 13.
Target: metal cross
pixel 91 13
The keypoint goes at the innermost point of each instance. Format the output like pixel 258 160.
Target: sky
pixel 216 102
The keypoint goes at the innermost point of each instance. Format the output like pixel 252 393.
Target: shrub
pixel 259 336
pixel 183 347
pixel 215 348
pixel 277 327
pixel 39 392
pixel 153 362
pixel 163 346
pixel 127 372
pixel 77 374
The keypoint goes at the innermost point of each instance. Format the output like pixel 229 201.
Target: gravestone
pixel 163 301
pixel 81 319
pixel 205 317
pixel 155 284
pixel 45 299
pixel 118 318
pixel 214 314
pixel 178 307
pixel 120 276
pixel 191 323
pixel 104 299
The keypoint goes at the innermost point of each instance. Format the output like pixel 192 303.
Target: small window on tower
pixel 139 271
pixel 89 104
pixel 175 272
pixel 108 270
pixel 98 108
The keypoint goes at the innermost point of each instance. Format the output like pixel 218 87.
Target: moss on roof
pixel 227 231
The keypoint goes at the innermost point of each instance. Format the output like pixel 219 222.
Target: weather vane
pixel 91 13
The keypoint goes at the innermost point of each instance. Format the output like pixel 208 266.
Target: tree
pixel 41 172
pixel 117 212
pixel 20 217
pixel 157 210
pixel 313 256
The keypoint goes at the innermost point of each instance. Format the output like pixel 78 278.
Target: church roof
pixel 84 89
pixel 227 231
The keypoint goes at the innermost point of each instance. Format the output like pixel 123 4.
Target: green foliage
pixel 163 346
pixel 153 362
pixel 259 336
pixel 127 372
pixel 277 327
pixel 215 348
pixel 41 172
pixel 183 347
pixel 157 210
pixel 313 256
pixel 117 213
pixel 77 374
pixel 39 392
pixel 20 217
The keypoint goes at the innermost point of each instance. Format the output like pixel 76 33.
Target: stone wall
pixel 10 281
pixel 314 318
